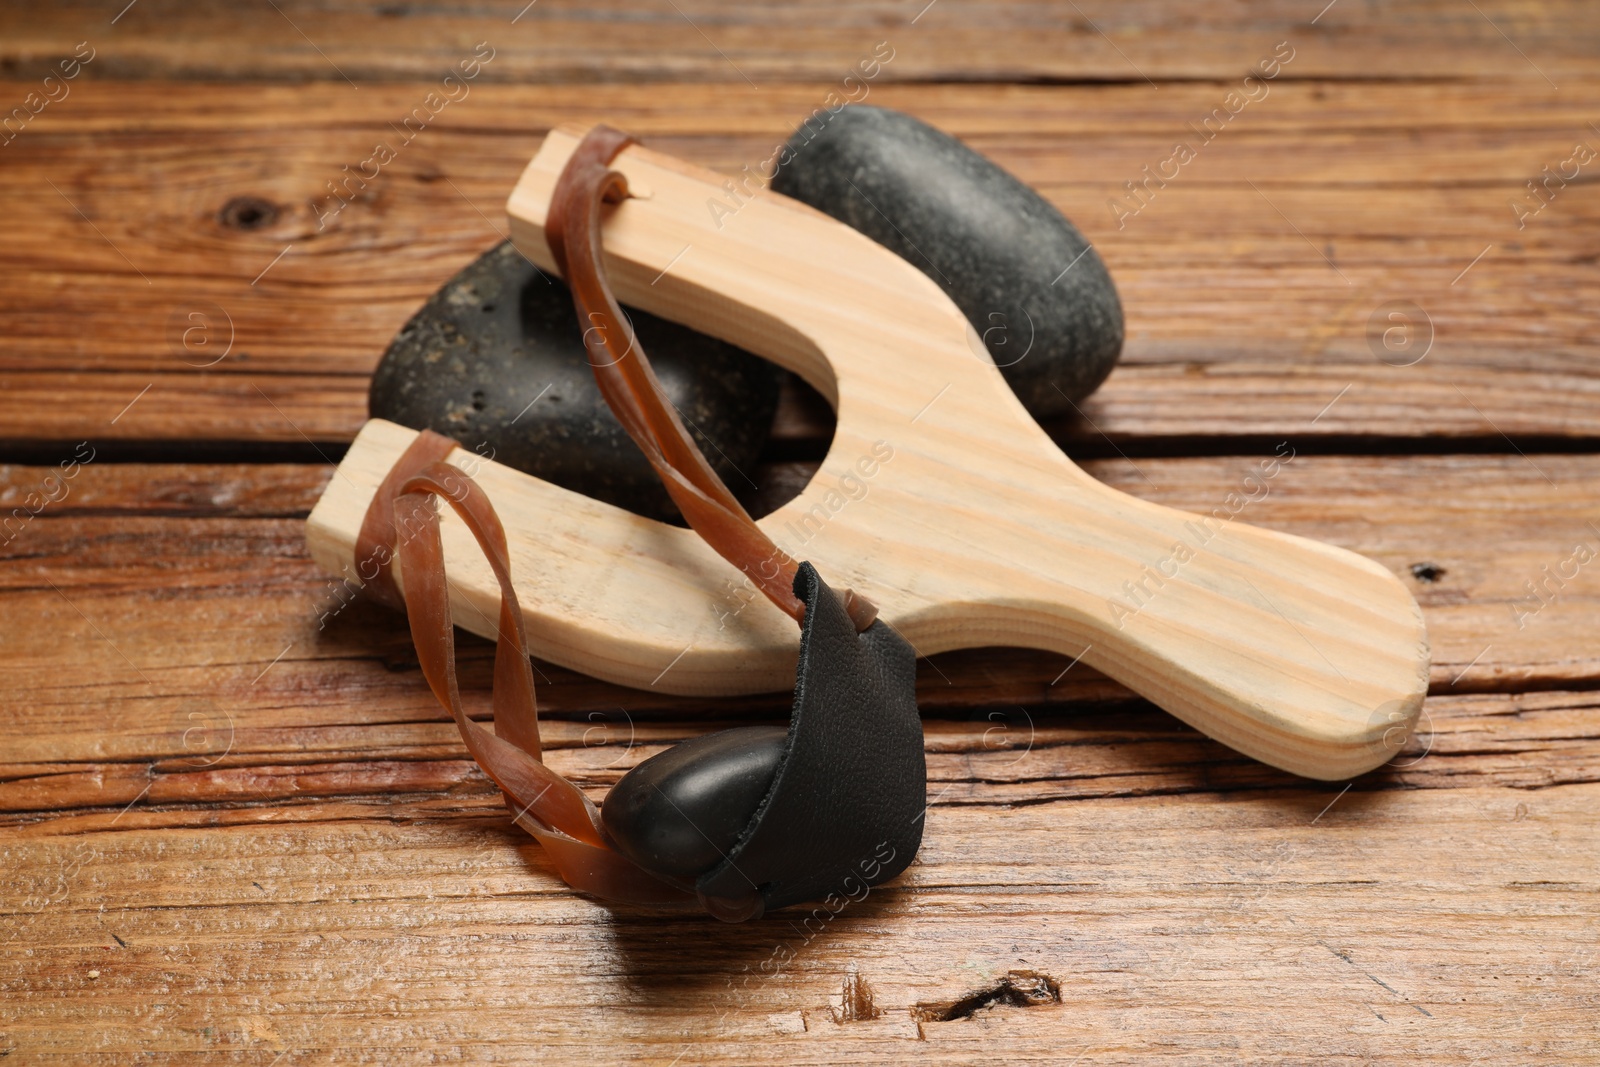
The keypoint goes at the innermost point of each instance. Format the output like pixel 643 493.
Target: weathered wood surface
pixel 93 590
pixel 1186 905
pixel 1397 927
pixel 1250 282
pixel 263 702
pixel 753 45
pixel 214 852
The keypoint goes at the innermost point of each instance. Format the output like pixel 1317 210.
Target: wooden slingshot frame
pixel 940 500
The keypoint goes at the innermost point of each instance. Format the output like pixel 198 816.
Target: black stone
pixel 1025 278
pixel 502 335
pixel 680 812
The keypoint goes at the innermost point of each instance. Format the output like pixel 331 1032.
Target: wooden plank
pixel 214 769
pixel 395 908
pixel 234 825
pixel 1388 927
pixel 1229 308
pixel 277 664
pixel 753 45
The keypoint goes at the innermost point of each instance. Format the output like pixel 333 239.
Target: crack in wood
pixel 1018 989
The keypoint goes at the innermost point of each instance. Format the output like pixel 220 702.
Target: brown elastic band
pixel 630 386
pixel 402 522
pixel 402 519
pixel 375 541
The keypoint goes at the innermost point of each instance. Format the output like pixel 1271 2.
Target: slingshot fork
pixel 940 500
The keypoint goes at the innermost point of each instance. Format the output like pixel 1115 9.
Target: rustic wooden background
pixel 228 835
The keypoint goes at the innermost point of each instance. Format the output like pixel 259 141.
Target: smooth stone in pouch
pixel 680 812
pixel 495 359
pixel 1025 278
pixel 846 806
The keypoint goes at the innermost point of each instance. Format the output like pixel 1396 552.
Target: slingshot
pixel 940 500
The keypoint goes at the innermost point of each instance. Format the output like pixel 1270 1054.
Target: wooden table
pixel 228 834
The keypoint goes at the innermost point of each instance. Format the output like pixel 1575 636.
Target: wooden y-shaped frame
pixel 940 500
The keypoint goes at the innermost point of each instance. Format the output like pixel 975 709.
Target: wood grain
pixel 1437 910
pixel 1396 926
pixel 752 45
pixel 265 838
pixel 213 769
pixel 92 589
pixel 1229 308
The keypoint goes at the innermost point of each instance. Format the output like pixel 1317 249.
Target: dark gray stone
pixel 1025 278
pixel 680 812
pixel 502 333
